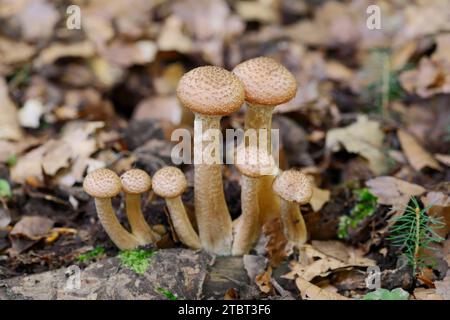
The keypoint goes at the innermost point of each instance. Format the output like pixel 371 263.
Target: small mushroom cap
pixel 292 185
pixel 169 182
pixel 136 181
pixel 255 162
pixel 102 183
pixel 266 82
pixel 211 91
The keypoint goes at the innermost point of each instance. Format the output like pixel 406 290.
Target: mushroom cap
pixel 102 183
pixel 169 182
pixel 266 82
pixel 255 162
pixel 294 186
pixel 211 90
pixel 136 181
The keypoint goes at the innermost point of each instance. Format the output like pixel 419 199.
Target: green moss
pixel 137 260
pixel 384 294
pixel 90 255
pixel 11 161
pixel 5 189
pixel 365 207
pixel 169 295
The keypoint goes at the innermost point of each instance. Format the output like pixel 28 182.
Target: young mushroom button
pixel 170 183
pixel 104 184
pixel 294 189
pixel 134 183
pixel 267 84
pixel 210 92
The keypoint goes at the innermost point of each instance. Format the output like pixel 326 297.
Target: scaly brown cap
pixel 292 185
pixel 136 181
pixel 211 91
pixel 169 182
pixel 255 162
pixel 266 82
pixel 102 183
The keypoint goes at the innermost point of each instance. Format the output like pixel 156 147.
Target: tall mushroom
pixel 134 183
pixel 170 183
pixel 210 92
pixel 104 184
pixel 256 164
pixel 294 189
pixel 267 84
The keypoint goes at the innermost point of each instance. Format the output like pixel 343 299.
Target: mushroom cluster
pixel 211 93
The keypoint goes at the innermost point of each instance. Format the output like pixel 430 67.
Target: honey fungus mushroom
pixel 267 84
pixel 210 92
pixel 294 189
pixel 102 185
pixel 135 182
pixel 170 183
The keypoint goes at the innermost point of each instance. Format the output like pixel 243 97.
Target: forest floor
pixel 370 123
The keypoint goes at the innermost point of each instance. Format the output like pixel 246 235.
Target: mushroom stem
pixel 139 226
pixel 181 223
pixel 247 228
pixel 260 117
pixel 293 222
pixel 118 234
pixel 213 218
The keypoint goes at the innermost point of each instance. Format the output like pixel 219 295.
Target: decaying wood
pixel 185 273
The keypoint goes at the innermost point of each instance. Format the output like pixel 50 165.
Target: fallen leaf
pixel 393 191
pixel 9 122
pixel 126 54
pixel 439 204
pixel 364 137
pixel 56 51
pixel 263 282
pixel 443 158
pixel 443 287
pixel 310 291
pixel 319 198
pixel 172 38
pixel 417 156
pixel 159 108
pixel 14 52
pixel 276 242
pixel 426 294
pixel 261 11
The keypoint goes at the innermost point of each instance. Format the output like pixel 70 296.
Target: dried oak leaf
pixel 9 123
pixel 319 198
pixel 310 291
pixel 84 49
pixel 417 156
pixel 393 191
pixel 364 137
pixel 28 231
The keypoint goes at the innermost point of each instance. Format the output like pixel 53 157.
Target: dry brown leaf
pixel 126 54
pixel 14 52
pixel 262 11
pixel 310 291
pixel 430 78
pixel 443 287
pixel 443 158
pixel 160 108
pixel 426 294
pixel 364 137
pixel 32 227
pixel 417 156
pixel 56 51
pixel 319 198
pixel 393 191
pixel 439 207
pixel 172 38
pixel 276 241
pixel 314 262
pixel 263 282
pixel 9 123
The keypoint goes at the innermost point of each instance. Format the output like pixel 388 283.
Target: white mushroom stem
pixel 213 218
pixel 181 223
pixel 247 228
pixel 118 234
pixel 139 226
pixel 260 117
pixel 293 222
